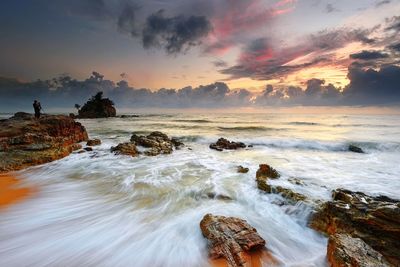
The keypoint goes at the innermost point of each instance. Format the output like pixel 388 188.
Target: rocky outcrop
pixel 154 144
pixel 128 149
pixel 230 238
pixel 376 220
pixel 26 141
pixel 287 193
pixel 93 142
pixel 97 107
pixel 346 251
pixel 242 169
pixel 266 171
pixel 355 149
pixel 223 143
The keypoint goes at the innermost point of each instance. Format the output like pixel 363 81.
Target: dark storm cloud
pixel 370 86
pixel 393 24
pixel 369 55
pixel 174 34
pixel 220 63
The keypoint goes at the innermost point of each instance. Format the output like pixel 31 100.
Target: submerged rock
pixel 26 141
pixel 344 250
pixel 223 143
pixel 266 171
pixel 230 238
pixel 128 149
pixel 88 149
pixel 93 142
pixel 242 169
pixel 355 149
pixel 376 220
pixel 97 107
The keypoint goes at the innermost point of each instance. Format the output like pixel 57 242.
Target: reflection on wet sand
pixel 11 190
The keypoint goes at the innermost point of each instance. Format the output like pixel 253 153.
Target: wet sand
pixel 11 190
pixel 253 259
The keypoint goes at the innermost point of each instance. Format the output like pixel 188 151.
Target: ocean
pixel 100 209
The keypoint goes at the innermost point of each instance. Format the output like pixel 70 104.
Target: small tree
pixel 77 106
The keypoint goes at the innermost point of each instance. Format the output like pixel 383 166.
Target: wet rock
pixel 287 193
pixel 88 149
pixel 97 107
pixel 344 250
pixel 93 142
pixel 223 143
pixel 129 116
pixel 26 141
pixel 230 238
pixel 156 143
pixel 213 195
pixel 128 149
pixel 242 169
pixel 266 171
pixel 376 220
pixel 355 149
pixel 296 181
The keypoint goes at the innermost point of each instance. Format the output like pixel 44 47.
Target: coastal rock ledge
pixel 374 220
pixel 26 141
pixel 230 238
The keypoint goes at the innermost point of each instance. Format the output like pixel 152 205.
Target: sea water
pixel 100 209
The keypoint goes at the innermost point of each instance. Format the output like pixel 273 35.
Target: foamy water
pixel 98 209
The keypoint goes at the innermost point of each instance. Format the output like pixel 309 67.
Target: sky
pixel 201 53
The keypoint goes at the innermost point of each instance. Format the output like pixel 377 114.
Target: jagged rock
pixel 223 143
pixel 242 169
pixel 376 220
pixel 285 192
pixel 346 251
pixel 125 149
pixel 156 142
pixel 26 141
pixel 355 149
pixel 93 142
pixel 97 107
pixel 230 238
pixel 266 171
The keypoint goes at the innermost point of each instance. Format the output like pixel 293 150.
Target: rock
pixel 266 171
pixel 242 169
pixel 230 238
pixel 156 143
pixel 344 250
pixel 93 142
pixel 223 143
pixel 88 149
pixel 72 116
pixel 296 181
pixel 129 116
pixel 376 220
pixel 355 149
pixel 97 107
pixel 26 141
pixel 213 195
pixel 128 149
pixel 287 193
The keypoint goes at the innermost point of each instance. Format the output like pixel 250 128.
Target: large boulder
pixel 375 220
pixel 97 107
pixel 346 251
pixel 223 143
pixel 128 149
pixel 265 171
pixel 355 149
pixel 230 238
pixel 26 141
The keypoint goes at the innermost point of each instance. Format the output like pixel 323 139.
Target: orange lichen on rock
pixel 253 259
pixel 11 191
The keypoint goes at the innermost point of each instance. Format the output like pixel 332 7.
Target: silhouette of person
pixel 37 107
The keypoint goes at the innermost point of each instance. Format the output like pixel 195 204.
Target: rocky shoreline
pixel 363 230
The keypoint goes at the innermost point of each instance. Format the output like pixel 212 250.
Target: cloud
pixel 220 63
pixel 174 34
pixel 262 59
pixel 393 24
pixel 369 55
pixel 395 47
pixel 329 8
pixel 382 2
pixel 127 19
